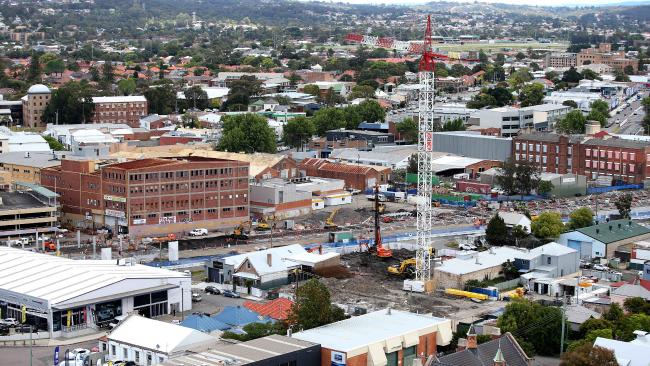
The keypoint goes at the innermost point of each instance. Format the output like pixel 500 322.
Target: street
pixel 41 355
pixel 628 121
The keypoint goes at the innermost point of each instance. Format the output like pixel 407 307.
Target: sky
pixel 516 2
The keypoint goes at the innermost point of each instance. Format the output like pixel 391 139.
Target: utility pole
pixel 31 354
pixel 563 324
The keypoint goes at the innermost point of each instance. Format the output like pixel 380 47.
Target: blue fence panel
pixel 494 293
pixel 596 190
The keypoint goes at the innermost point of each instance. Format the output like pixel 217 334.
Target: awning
pixel 410 340
pixel 376 355
pixel 443 335
pixel 246 275
pixel 393 344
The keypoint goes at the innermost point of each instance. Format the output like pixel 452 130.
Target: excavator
pixel 406 268
pixel 381 251
pixel 329 222
pixel 240 231
pixel 263 225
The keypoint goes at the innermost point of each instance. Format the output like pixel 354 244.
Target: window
pixel 548 260
pixel 125 352
pixel 113 350
pixel 517 146
pixel 545 149
pixel 588 163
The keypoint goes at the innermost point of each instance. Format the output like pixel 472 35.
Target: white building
pixel 66 297
pixel 513 219
pixel 450 112
pixel 150 342
pixel 64 133
pixel 393 156
pixel 508 119
pixel 21 141
pixel 633 353
pixel 582 99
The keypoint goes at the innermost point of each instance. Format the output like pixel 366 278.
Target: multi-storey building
pixel 604 55
pixel 560 60
pixel 152 196
pixel 34 103
pixel 620 159
pixel 124 109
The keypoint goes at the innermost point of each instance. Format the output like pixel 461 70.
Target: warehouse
pixel 66 297
pixel 384 337
pixel 602 240
pixel 473 145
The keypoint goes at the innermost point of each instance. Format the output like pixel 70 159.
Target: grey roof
pixel 484 354
pixel 628 290
pixel 543 137
pixel 37 159
pixel 579 314
pixel 616 142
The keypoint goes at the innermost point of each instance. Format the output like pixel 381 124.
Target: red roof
pixel 645 284
pixel 601 134
pixel 277 309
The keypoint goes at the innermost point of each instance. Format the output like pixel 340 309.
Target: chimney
pixel 462 344
pixel 269 259
pixel 472 342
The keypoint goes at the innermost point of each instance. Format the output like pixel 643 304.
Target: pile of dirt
pixel 338 272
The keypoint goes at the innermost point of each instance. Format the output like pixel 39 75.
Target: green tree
pixel 54 143
pixel 332 98
pixel 34 69
pixel 507 179
pixel 628 70
pixel 240 93
pixel 602 333
pixel 621 76
pixel 589 74
pixel 571 75
pixel 298 131
pixel 547 225
pixel 454 125
pixel 313 307
pixel 614 314
pixel 636 305
pixel 624 205
pixel 371 111
pixel 581 217
pixel 328 119
pixel 107 73
pixel 408 129
pixel 312 89
pixel 254 331
pixel 126 86
pixel 600 106
pixel 247 133
pixel 593 324
pixel 190 121
pixel 626 327
pixel 531 94
pixel 161 97
pixel 544 187
pixel 519 78
pixel 496 231
pixel 570 103
pixel 587 355
pixel 533 323
pixel 573 123
pixel 72 102
pixel 361 91
pixel 56 66
pixel 196 98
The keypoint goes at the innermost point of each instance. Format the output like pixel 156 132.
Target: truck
pixel 199 232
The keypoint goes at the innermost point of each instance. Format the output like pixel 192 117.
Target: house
pixel 513 219
pixel 633 353
pixel 204 323
pixel 541 266
pixel 578 314
pixel 382 337
pixel 279 198
pixel 501 351
pixel 150 342
pixel 627 291
pixel 472 265
pixel 277 309
pixel 239 316
pixel 602 240
pixel 357 176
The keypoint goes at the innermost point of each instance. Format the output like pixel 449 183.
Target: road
pixel 41 356
pixel 628 121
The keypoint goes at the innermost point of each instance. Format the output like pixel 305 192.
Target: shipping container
pixel 473 187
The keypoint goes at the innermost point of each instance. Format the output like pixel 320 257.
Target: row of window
pixel 226 183
pixel 185 173
pixel 194 212
pixel 610 154
pixel 539 147
pixel 609 166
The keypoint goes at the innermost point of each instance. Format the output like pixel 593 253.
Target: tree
pixel 628 70
pixel 55 66
pixel 508 176
pixel 412 164
pixel 126 86
pixel 625 328
pixel 600 106
pixel 589 74
pixel 313 307
pixel 547 225
pixel 190 121
pixel 247 133
pixel 581 217
pixel 361 91
pixel 196 98
pixel 573 123
pixel 371 111
pixel 571 75
pixel 255 330
pixel 71 103
pixel 240 93
pixel 332 98
pixel 519 78
pixel 107 73
pixel 624 205
pixel 34 70
pixel 294 79
pixel 542 325
pixel 198 71
pixel 621 76
pixel 592 324
pixel 636 305
pixel 408 129
pixel 531 94
pixel 161 97
pixel 54 143
pixel 454 125
pixel 587 355
pixel 544 187
pixel 520 56
pixel 491 97
pixel 614 314
pixel 328 119
pixel 312 89
pixel 570 103
pixel 496 231
pixel 298 131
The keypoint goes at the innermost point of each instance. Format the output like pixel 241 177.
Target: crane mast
pixel 426 125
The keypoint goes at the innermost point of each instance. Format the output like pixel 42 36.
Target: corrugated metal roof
pixel 614 230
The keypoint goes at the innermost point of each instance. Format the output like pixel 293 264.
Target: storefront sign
pixel 114 198
pixel 139 221
pixel 338 359
pixel 114 213
pixel 167 220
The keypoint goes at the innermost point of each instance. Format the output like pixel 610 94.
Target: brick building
pixel 560 60
pixel 356 176
pixel 603 54
pixel 620 159
pixel 382 337
pixel 152 196
pixel 122 109
pixel 34 103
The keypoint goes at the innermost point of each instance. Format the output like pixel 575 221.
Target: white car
pixel 199 232
pixel 601 267
pixel 12 322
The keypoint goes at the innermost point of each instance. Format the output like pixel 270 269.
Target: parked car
pixel 12 322
pixel 601 267
pixel 196 297
pixel 212 290
pixel 199 232
pixel 25 328
pixel 228 293
pixel 4 330
pixel 585 264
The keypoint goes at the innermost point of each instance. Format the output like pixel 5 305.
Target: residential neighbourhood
pixel 294 183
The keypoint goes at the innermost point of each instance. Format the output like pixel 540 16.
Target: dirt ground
pixel 364 282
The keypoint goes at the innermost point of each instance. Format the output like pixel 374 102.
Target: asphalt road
pixel 41 356
pixel 628 121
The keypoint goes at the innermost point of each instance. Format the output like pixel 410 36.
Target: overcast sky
pixel 518 2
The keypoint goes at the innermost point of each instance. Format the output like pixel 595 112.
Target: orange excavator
pixel 381 251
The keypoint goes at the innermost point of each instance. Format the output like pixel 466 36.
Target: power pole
pixel 563 324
